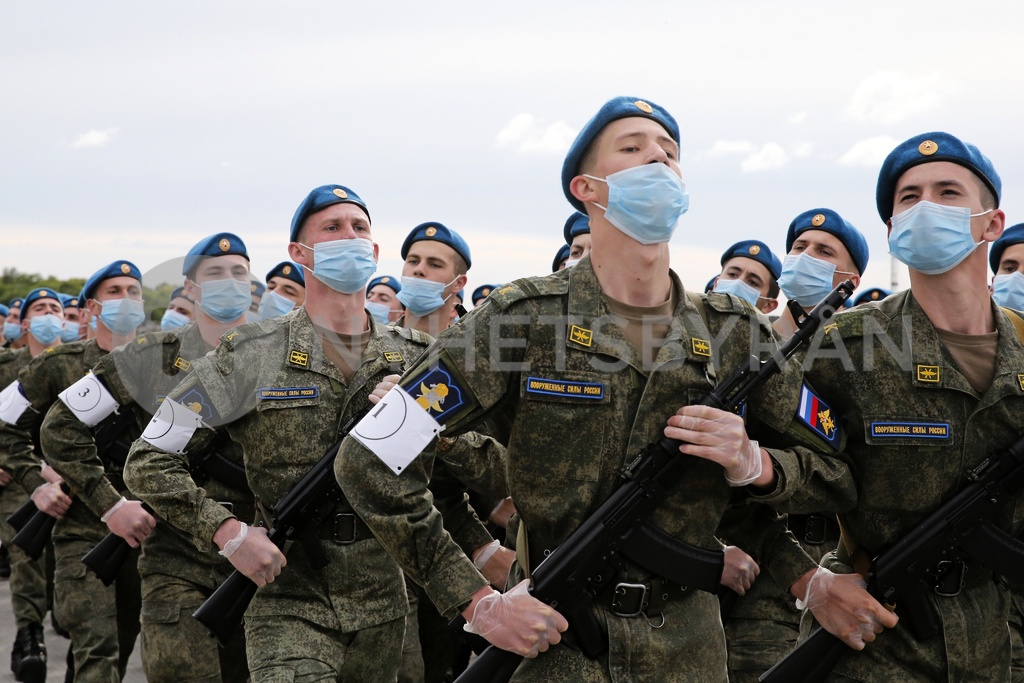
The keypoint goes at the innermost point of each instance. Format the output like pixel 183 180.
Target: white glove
pixel 842 605
pixel 516 621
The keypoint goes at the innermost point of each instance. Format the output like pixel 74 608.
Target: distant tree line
pixel 15 284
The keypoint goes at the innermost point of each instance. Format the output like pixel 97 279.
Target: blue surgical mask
pixel 1008 290
pixel 739 288
pixel 422 296
pixel 122 316
pixel 379 311
pixel 933 238
pixel 92 323
pixel 12 331
pixel 46 328
pixel 173 320
pixel 70 331
pixel 343 265
pixel 273 305
pixel 807 280
pixel 225 300
pixel 645 202
pixel 570 262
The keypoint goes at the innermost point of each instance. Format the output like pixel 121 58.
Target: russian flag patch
pixel 817 415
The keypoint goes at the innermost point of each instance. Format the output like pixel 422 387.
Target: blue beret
pixel 40 293
pixel 924 148
pixel 757 251
pixel 178 293
pixel 4 311
pixel 438 233
pixel 321 198
pixel 563 254
pixel 613 109
pixel 289 271
pixel 388 280
pixel 81 299
pixel 831 222
pixel 115 269
pixel 483 291
pixel 16 302
pixel 460 295
pixel 869 295
pixel 710 285
pixel 257 288
pixel 221 244
pixel 578 224
pixel 1011 236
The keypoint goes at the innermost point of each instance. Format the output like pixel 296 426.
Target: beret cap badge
pixel 818 219
pixel 755 250
pixel 125 268
pixel 286 270
pixel 644 107
pixel 340 193
pixel 928 148
pixel 430 232
pixel 224 244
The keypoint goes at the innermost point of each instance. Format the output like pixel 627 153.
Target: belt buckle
pixel 345 528
pixel 629 599
pixel 815 529
pixel 950 578
pixel 227 504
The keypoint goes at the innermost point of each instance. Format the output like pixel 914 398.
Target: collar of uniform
pixel 932 366
pixel 1009 375
pixel 304 350
pixel 380 345
pixel 589 326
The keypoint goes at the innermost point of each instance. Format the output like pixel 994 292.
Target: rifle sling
pixel 669 558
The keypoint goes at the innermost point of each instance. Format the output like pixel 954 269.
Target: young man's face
pixel 183 306
pixel 580 246
pixel 754 274
pixel 1012 260
pixel 628 143
pixel 289 289
pixel 433 261
pixel 382 294
pixel 336 222
pixel 121 287
pixel 39 307
pixel 946 183
pixel 825 246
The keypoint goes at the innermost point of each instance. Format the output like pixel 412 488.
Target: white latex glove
pixel 842 605
pixel 718 436
pixel 739 570
pixel 516 621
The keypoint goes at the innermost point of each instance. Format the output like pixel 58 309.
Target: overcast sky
pixel 131 130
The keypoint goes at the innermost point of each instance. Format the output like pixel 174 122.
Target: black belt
pixel 628 599
pixel 952 577
pixel 813 529
pixel 344 528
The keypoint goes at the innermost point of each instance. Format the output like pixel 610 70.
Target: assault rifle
pixel 931 553
pixel 573 575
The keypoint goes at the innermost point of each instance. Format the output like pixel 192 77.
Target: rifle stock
pixel 566 578
pixel 107 557
pixel 36 532
pixel 20 517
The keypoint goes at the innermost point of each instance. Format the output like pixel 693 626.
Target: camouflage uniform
pixel 556 334
pixel 899 375
pixel 28 576
pixel 103 621
pixel 282 434
pixel 176 575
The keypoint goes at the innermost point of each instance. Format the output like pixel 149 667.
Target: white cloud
pixel 888 97
pixel 803 150
pixel 94 138
pixel 770 156
pixel 799 117
pixel 870 152
pixel 527 134
pixel 722 147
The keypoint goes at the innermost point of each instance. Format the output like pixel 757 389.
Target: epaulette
pixel 410 334
pixel 555 284
pixel 848 323
pixel 6 356
pixel 729 303
pixel 70 347
pixel 255 330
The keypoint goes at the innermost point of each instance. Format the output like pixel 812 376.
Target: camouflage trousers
pixel 175 647
pixel 1016 623
pixel 103 620
pixel 28 576
pixel 688 645
pixel 286 649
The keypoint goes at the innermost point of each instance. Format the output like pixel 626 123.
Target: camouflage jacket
pixel 270 387
pixel 545 357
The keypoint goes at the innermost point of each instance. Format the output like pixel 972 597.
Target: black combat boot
pixel 28 659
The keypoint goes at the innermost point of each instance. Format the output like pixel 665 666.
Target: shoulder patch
pixel 254 330
pixel 408 333
pixel 529 288
pixel 817 415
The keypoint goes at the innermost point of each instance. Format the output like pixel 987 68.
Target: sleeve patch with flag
pixel 817 415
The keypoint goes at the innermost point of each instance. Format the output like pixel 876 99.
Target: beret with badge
pixel 319 199
pixel 578 224
pixel 482 292
pixel 560 257
pixel 38 294
pixel 869 295
pixel 289 271
pixel 612 110
pixel 220 244
pixel 115 269
pixel 387 281
pixel 831 222
pixel 15 303
pixel 1011 236
pixel 435 232
pixel 926 148
pixel 756 251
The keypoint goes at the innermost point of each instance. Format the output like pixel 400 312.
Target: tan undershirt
pixel 646 326
pixel 345 351
pixel 975 355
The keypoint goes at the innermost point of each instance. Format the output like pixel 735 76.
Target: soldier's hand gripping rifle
pixel 926 558
pixel 572 576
